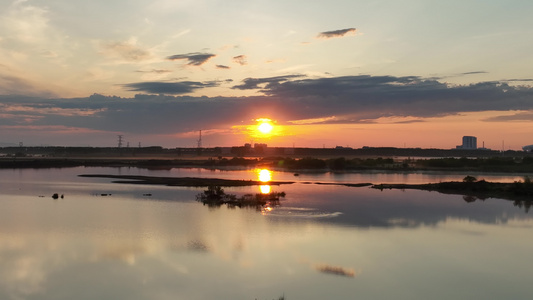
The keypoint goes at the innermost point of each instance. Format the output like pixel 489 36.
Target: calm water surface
pixel 323 242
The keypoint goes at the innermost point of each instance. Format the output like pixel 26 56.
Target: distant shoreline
pixel 507 165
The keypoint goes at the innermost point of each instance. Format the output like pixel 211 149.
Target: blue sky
pixel 397 69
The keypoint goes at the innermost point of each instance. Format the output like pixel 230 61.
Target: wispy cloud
pixel 16 85
pixel 193 59
pixel 336 33
pixel 520 117
pixel 222 67
pixel 155 71
pixel 240 59
pixel 128 50
pixel 519 80
pixel 474 73
pixel 181 33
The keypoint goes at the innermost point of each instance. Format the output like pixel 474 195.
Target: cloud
pixel 240 59
pixel 168 88
pixel 222 67
pixel 254 83
pixel 336 33
pixel 194 59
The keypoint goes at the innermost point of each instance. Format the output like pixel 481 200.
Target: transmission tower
pixel 200 140
pixel 120 141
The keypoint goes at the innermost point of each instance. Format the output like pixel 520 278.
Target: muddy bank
pixel 183 181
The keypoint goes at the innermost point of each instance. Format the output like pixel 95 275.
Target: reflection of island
pixel 215 196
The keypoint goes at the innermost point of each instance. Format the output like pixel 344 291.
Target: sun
pixel 265 126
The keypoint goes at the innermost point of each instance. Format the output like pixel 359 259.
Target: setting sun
pixel 265 126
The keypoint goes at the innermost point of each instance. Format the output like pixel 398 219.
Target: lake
pixel 123 241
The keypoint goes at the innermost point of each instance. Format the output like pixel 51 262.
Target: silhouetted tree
pixel 469 179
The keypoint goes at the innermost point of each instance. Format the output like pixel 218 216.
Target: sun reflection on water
pixel 265 189
pixel 264 175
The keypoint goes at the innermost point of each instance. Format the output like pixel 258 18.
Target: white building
pixel 469 142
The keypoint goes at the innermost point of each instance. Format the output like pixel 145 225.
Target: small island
pixel 474 189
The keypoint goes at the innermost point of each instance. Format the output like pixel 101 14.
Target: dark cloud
pixel 474 72
pixel 358 98
pixel 255 83
pixel 418 92
pixel 168 88
pixel 240 59
pixel 194 59
pixel 350 99
pixel 336 270
pixel 335 33
pixel 222 67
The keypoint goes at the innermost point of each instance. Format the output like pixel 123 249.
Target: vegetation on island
pixel 216 196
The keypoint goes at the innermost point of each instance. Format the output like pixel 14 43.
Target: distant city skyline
pixel 336 73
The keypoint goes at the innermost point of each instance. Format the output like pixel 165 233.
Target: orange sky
pixel 336 73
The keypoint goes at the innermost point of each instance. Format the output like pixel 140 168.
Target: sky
pixel 349 73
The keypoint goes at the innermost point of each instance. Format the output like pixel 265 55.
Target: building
pixel 469 142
